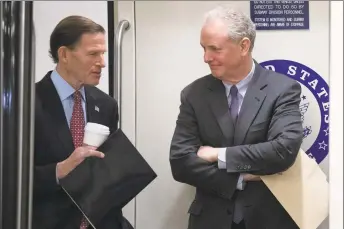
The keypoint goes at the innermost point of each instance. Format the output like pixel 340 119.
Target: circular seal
pixel 314 105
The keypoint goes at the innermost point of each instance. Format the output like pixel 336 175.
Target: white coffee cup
pixel 95 134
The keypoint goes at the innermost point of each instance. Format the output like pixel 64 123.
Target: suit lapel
pixel 219 105
pixel 92 106
pixel 253 100
pixel 52 103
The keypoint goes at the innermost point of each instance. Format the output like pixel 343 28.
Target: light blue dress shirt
pixel 242 88
pixel 65 92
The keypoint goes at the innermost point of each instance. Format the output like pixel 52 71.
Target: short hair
pixel 239 25
pixel 69 31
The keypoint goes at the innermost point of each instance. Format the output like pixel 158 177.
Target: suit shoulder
pixel 99 94
pixel 38 85
pixel 280 81
pixel 197 85
pixel 276 77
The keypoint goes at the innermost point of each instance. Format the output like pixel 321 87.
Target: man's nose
pixel 207 57
pixel 101 63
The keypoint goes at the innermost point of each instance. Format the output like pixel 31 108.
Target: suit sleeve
pixel 284 139
pixel 187 167
pixel 45 179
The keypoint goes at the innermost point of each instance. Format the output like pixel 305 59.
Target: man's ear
pixel 245 45
pixel 62 53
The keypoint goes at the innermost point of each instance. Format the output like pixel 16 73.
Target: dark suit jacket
pixel 265 140
pixel 52 208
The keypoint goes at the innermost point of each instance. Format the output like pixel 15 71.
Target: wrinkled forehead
pixel 92 39
pixel 214 31
pixel 214 28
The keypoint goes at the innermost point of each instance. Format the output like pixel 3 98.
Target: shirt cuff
pixel 222 158
pixel 241 183
pixel 222 165
pixel 57 179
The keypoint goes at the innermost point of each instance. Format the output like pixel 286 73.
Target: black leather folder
pixel 100 184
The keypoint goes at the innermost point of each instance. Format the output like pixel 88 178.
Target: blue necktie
pixel 234 110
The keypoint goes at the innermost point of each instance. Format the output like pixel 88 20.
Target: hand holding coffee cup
pixel 95 134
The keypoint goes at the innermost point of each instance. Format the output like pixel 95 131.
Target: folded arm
pixel 284 139
pixel 187 167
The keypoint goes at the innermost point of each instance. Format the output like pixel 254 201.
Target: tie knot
pixel 234 91
pixel 77 96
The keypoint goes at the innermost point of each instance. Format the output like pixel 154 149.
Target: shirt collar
pixel 243 84
pixel 63 88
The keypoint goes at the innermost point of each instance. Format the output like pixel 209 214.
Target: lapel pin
pixel 96 108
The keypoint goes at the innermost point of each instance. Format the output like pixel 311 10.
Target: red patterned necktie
pixel 77 125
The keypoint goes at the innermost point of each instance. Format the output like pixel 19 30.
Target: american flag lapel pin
pixel 96 108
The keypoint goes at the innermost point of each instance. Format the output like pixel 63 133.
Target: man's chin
pixel 216 75
pixel 94 82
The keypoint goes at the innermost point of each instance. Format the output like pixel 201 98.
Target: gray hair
pixel 239 24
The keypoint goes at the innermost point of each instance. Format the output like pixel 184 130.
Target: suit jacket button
pixel 245 167
pixel 248 167
pixel 229 212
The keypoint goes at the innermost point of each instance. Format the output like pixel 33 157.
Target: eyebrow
pixel 96 50
pixel 210 46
